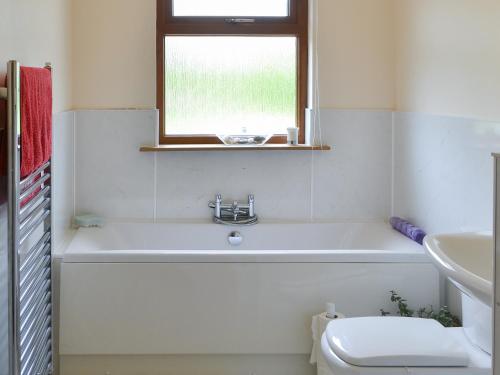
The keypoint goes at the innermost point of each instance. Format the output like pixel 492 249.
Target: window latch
pixel 239 20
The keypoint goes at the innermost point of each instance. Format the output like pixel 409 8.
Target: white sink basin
pixel 467 260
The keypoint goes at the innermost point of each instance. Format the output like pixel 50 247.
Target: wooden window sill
pixel 219 147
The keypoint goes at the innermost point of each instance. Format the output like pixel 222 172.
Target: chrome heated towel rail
pixel 30 245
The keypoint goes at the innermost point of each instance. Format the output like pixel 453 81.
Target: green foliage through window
pixel 221 84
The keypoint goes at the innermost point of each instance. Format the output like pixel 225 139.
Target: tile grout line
pixel 156 134
pixel 74 163
pixel 311 187
pixel 393 162
pixel 155 188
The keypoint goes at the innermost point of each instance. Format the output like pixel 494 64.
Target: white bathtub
pixel 180 289
pixel 268 243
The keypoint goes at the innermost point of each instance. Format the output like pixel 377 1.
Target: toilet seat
pixel 479 361
pixel 395 342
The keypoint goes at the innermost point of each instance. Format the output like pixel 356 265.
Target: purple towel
pixel 408 229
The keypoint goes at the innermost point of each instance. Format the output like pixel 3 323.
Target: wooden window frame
pixel 296 24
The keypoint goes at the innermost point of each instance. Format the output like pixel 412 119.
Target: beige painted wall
pixel 114 58
pixel 35 32
pixel 356 54
pixel 114 55
pixel 448 57
pixel 437 56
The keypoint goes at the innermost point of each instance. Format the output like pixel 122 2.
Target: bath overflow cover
pixel 235 239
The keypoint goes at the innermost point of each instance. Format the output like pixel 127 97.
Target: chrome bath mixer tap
pixel 234 213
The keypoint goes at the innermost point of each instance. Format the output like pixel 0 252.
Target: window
pixel 228 65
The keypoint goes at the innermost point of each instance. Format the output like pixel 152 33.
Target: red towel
pixel 3 144
pixel 3 130
pixel 36 118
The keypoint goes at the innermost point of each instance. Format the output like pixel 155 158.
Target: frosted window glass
pixel 221 84
pixel 222 8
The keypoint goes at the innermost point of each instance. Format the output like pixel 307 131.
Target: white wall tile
pixel 63 187
pixel 350 182
pixel 114 179
pixel 354 180
pixel 280 182
pixel 444 171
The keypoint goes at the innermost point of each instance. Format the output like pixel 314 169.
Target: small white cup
pixel 293 136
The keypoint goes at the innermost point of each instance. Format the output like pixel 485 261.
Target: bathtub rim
pixel 408 255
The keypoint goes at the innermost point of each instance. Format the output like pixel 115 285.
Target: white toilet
pixel 400 346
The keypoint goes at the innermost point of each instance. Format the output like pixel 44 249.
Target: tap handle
pixel 217 201
pixel 216 205
pixel 251 205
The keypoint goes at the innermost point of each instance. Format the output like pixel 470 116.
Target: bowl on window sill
pixel 244 139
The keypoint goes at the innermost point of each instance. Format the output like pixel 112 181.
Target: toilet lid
pixel 395 342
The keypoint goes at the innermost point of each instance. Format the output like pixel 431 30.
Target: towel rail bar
pixel 28 281
pixel 45 364
pixel 43 368
pixel 28 207
pixel 31 189
pixel 34 300
pixel 34 296
pixel 33 214
pixel 37 348
pixel 32 227
pixel 35 310
pixel 28 180
pixel 33 281
pixel 30 273
pixel 32 254
pixel 47 357
pixel 34 331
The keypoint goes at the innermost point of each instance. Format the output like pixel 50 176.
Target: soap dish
pixel 88 221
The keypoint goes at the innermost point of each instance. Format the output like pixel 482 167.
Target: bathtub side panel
pixel 253 308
